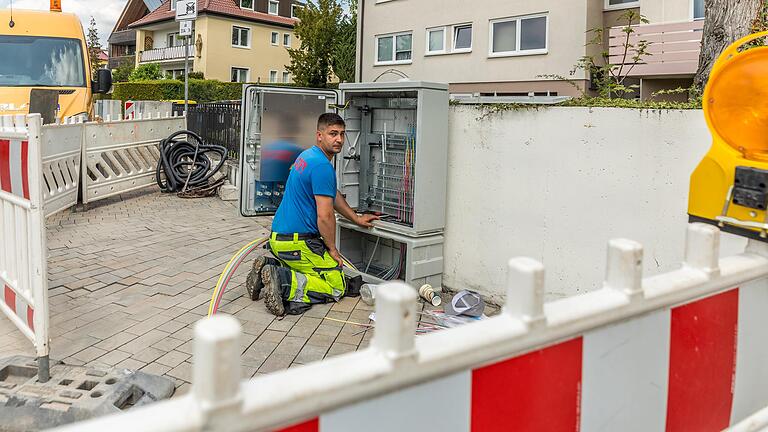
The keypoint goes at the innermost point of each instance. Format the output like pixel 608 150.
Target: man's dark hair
pixel 329 119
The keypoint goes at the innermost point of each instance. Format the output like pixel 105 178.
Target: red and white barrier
pixel 130 110
pixel 683 350
pixel 22 225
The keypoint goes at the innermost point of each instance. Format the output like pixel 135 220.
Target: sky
pixel 106 12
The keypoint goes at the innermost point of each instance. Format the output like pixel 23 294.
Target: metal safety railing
pixel 682 350
pixel 170 53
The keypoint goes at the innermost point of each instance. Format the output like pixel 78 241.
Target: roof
pixel 134 10
pixel 219 7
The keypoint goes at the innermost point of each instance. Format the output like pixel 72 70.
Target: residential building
pixel 233 40
pixel 103 59
pixel 122 40
pixel 515 47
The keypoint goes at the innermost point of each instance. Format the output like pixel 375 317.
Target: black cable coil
pixel 178 156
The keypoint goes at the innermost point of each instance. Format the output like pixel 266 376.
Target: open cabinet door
pixel 278 123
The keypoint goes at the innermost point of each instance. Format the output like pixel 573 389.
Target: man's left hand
pixel 366 220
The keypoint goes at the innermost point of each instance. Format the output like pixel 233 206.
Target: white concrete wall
pixel 556 184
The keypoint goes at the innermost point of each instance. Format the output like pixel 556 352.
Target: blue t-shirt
pixel 311 174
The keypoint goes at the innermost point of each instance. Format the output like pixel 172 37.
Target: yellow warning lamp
pixel 55 5
pixel 729 187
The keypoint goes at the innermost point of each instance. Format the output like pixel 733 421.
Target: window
pixel 273 76
pixel 274 37
pixel 48 62
pixel 246 4
pixel 518 36
pixel 295 11
pixel 698 9
pixel 286 77
pixel 274 6
pixel 287 39
pixel 240 37
pixel 175 73
pixel 436 40
pixel 462 38
pixel 240 74
pixel 394 48
pixel 621 4
pixel 175 40
pixel 173 5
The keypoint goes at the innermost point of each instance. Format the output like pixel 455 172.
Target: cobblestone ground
pixel 129 277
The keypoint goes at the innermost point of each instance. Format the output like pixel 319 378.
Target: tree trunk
pixel 726 21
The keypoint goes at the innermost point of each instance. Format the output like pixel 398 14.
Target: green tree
pixel 122 73
pixel 344 52
pixel 145 72
pixel 317 31
pixel 94 46
pixel 610 78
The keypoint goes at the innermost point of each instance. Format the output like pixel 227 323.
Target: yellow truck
pixel 46 50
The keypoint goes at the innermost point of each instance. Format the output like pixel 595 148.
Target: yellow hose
pixel 226 270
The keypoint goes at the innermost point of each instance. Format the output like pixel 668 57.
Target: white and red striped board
pixel 130 110
pixel 700 366
pixel 23 284
pixel 20 307
pixel 14 167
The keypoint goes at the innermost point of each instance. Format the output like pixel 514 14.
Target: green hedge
pixel 199 90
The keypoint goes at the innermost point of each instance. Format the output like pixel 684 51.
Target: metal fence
pixel 217 123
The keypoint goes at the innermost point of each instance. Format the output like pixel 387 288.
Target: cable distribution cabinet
pixel 394 164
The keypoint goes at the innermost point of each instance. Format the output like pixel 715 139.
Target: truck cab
pixel 46 50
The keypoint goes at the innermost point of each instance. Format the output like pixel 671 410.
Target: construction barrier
pixel 684 350
pixel 147 109
pixel 40 175
pixel 104 108
pixel 61 150
pixel 121 156
pixel 22 244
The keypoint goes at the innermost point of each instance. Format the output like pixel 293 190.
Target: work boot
pixel 254 282
pixel 273 296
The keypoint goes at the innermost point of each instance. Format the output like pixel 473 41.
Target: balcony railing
pixel 171 53
pixel 674 48
pixel 115 62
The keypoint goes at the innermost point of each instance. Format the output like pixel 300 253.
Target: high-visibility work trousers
pixel 315 276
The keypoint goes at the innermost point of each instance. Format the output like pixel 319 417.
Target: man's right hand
pixel 335 254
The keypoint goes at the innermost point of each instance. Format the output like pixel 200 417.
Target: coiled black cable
pixel 186 164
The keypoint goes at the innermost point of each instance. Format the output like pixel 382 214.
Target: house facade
pixel 122 40
pixel 515 47
pixel 233 40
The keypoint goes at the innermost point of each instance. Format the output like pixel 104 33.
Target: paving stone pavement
pixel 130 275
